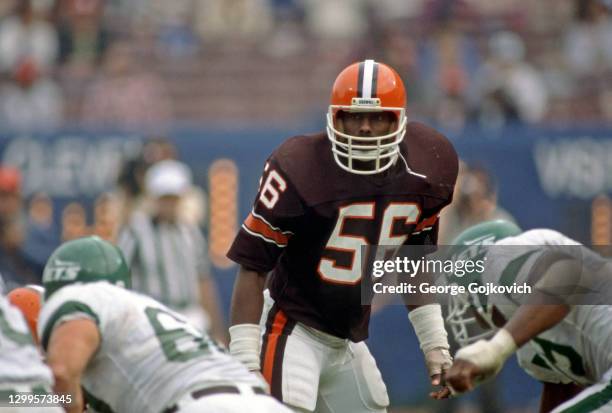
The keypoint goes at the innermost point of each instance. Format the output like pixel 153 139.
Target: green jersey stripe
pixel 69 307
pixel 592 402
pixel 12 334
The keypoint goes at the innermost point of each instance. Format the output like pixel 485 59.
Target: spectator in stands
pixel 131 194
pixel 287 37
pixel 386 11
pixel 42 234
pixel 507 87
pixel 14 266
pixel 164 27
pixel 106 217
pixel 74 222
pixel 588 43
pixel 332 20
pixel 475 201
pixel 31 100
pixel 449 63
pixel 83 36
pixel 402 52
pixel 176 38
pixel 28 35
pixel 168 256
pixel 243 19
pixel 126 95
pixel 10 192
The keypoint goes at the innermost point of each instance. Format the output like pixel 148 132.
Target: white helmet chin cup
pixel 374 154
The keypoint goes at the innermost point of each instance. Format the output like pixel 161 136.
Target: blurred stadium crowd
pixel 134 62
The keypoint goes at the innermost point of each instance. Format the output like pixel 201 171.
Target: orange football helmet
pixel 367 86
pixel 29 300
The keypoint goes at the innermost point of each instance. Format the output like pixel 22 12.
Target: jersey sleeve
pixel 274 219
pixel 75 302
pixel 426 232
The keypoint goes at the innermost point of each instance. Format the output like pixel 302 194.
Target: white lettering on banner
pixel 70 165
pixel 580 167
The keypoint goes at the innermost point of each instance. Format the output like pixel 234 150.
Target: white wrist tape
pixel 428 325
pixel 245 344
pixel 489 355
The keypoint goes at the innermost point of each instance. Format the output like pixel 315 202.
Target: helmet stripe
pixel 375 80
pixel 368 74
pixel 360 80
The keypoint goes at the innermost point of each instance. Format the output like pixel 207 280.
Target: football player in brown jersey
pixel 373 179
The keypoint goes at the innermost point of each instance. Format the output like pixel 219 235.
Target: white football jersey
pixel 579 348
pixel 20 360
pixel 149 356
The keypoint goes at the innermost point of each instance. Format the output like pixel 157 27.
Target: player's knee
pixel 300 386
pixel 374 391
pixel 301 373
pixel 299 409
pixel 370 382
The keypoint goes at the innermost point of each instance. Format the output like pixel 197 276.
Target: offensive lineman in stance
pixel 567 347
pixel 372 179
pixel 128 352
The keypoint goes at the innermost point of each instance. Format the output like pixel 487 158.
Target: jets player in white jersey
pixel 128 352
pixel 568 347
pixel 21 366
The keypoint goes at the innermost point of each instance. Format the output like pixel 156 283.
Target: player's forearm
pixel 71 346
pixel 65 383
pixel 429 326
pixel 67 378
pixel 484 359
pixel 247 304
pixel 531 320
pixel 247 298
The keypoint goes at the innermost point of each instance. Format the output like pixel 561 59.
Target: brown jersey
pixel 311 217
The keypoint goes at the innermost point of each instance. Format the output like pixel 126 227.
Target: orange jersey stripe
pixel 264 229
pixel 427 222
pixel 280 320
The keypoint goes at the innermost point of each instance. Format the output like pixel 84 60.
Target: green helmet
pixel 487 233
pixel 85 260
pixel 469 314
